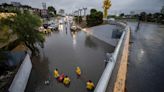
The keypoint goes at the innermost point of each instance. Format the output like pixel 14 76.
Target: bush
pixel 25 25
pixel 78 20
pixel 95 18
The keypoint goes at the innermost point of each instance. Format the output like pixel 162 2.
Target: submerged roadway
pixel 65 50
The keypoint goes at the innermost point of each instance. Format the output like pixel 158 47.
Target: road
pixel 66 50
pixel 146 60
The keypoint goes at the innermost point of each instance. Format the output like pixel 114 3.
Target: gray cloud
pixel 117 5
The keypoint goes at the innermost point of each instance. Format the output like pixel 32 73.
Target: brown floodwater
pixel 65 50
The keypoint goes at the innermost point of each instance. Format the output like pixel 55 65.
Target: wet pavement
pixel 105 33
pixel 66 50
pixel 146 60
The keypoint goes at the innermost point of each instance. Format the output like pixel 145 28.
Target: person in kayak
pixel 66 80
pixel 78 71
pixel 56 73
pixel 61 77
pixel 90 85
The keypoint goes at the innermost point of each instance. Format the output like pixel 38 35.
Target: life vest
pixel 66 81
pixel 78 71
pixel 56 74
pixel 90 86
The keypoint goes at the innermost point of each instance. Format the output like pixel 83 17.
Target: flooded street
pixel 146 61
pixel 65 50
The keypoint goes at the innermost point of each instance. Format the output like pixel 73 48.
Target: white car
pixel 73 28
pixel 53 26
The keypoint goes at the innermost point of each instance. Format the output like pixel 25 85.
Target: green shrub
pixel 95 18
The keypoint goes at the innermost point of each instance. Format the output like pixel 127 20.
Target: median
pixel 119 85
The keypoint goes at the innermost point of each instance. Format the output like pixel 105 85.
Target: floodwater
pixel 65 50
pixel 146 60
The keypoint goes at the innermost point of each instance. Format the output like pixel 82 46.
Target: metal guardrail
pixel 103 82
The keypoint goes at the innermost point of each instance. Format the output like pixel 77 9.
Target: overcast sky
pixel 118 6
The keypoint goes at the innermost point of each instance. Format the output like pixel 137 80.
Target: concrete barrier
pixel 103 82
pixel 119 85
pixel 21 78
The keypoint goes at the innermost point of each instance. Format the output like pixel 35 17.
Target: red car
pixel 61 77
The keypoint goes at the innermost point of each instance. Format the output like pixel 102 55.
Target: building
pixel 44 12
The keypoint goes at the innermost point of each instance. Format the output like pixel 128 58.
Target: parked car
pixel 45 26
pixel 46 31
pixel 53 26
pixel 43 30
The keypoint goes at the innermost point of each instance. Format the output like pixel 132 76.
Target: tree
pixel 95 18
pixel 78 19
pixel 122 14
pixel 99 17
pixel 25 26
pixel 92 11
pixel 143 16
pixel 51 11
pixel 149 18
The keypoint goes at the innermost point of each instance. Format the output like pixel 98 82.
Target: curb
pixel 119 85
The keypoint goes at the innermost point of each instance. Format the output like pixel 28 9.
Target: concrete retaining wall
pixel 122 71
pixel 21 78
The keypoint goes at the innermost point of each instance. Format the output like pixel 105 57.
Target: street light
pixel 84 13
pixel 76 13
pixel 80 11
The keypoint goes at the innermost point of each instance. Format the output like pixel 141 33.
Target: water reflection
pixel 61 27
pixel 89 42
pixel 74 36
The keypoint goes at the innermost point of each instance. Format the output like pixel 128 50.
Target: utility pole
pixel 75 13
pixel 78 16
pixel 85 13
pixel 80 10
